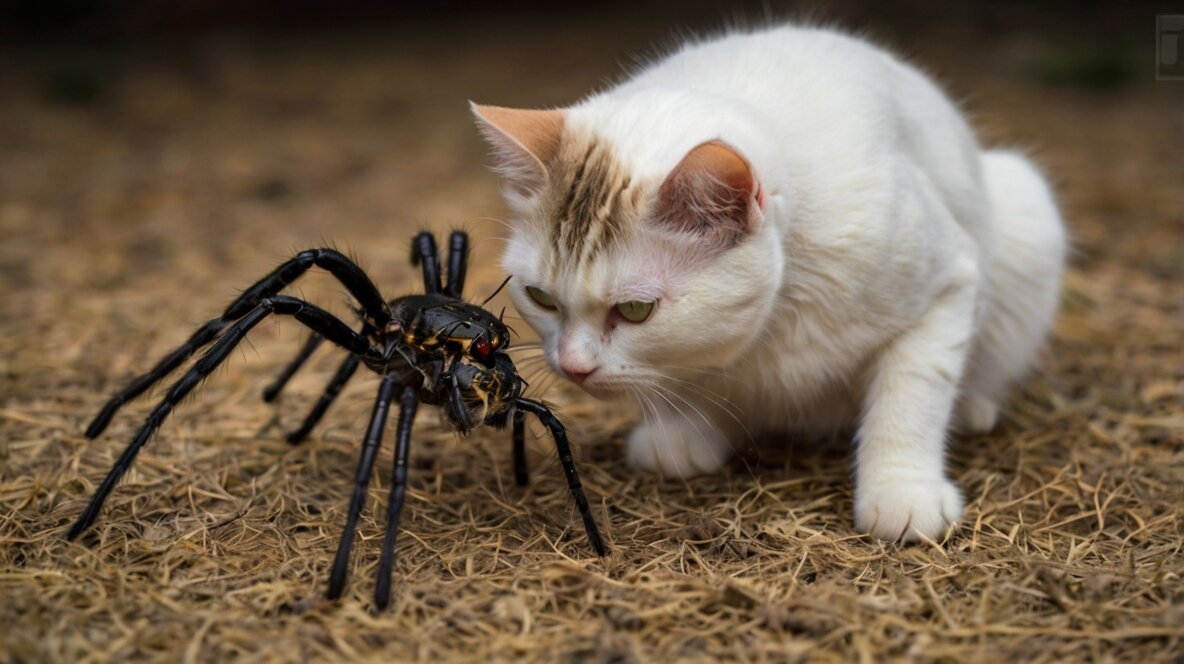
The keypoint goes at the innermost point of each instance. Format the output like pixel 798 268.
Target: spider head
pixel 480 336
pixel 463 328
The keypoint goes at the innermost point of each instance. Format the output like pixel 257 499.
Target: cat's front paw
pixel 907 508
pixel 672 449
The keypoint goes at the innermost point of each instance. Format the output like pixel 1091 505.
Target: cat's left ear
pixel 714 194
pixel 524 143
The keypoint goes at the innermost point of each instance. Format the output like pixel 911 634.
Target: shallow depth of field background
pixel 153 161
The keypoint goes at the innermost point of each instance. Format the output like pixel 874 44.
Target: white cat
pixel 783 230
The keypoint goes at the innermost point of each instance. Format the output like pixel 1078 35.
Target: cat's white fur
pixel 898 280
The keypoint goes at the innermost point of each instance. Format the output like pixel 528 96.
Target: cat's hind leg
pixel 1022 288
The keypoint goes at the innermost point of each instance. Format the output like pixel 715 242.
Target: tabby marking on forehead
pixel 591 202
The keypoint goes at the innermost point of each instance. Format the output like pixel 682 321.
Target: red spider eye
pixel 481 348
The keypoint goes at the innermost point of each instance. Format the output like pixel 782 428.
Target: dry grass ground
pixel 184 171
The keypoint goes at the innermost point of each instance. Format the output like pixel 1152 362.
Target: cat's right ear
pixel 524 143
pixel 712 194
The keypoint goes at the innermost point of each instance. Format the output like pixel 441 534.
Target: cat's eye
pixel 541 297
pixel 635 311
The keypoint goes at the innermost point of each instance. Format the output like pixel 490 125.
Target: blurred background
pixel 156 152
pixel 157 156
pixel 239 130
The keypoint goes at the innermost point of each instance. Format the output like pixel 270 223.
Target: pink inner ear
pixel 712 193
pixel 721 162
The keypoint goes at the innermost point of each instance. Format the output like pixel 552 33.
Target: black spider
pixel 433 348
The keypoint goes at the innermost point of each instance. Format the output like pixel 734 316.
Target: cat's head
pixel 634 255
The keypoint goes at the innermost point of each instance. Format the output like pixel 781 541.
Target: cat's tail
pixel 1022 286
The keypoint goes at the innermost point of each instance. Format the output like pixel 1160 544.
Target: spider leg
pixel 344 372
pixel 458 262
pixel 319 320
pixel 456 404
pixel 432 371
pixel 272 391
pixel 336 263
pixel 569 468
pixel 204 335
pixel 370 447
pixel 382 589
pixel 521 476
pixel 423 252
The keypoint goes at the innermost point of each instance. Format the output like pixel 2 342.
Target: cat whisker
pixel 659 391
pixel 643 406
pixel 718 373
pixel 735 450
pixel 536 376
pixel 520 347
pixel 654 411
pixel 546 383
pixel 717 398
pixel 503 222
pixel 662 427
pixel 488 238
pixel 720 401
pixel 533 362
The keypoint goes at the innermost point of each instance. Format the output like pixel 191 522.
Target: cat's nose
pixel 578 373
